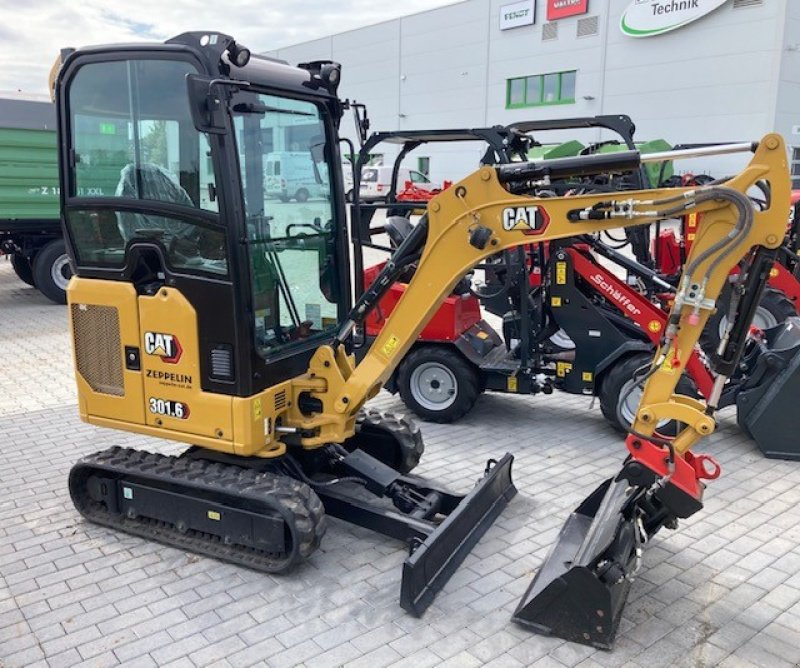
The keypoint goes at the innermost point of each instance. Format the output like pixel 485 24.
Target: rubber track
pixel 299 505
pixel 404 430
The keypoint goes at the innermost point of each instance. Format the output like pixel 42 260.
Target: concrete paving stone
pixel 723 588
pixel 759 615
pixel 759 656
pixel 336 656
pixel 377 658
pixel 179 625
pixel 217 651
pixel 788 651
pixel 146 645
pixel 461 660
pixel 256 652
pixel 299 653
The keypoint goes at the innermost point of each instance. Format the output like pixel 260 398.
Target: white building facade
pixel 688 71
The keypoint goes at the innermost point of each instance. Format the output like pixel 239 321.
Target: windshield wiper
pixel 259 108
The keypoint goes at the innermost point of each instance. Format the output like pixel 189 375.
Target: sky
pixel 32 32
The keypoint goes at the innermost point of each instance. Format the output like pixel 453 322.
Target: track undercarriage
pixel 269 515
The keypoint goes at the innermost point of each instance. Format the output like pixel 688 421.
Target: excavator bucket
pixel 579 592
pixel 767 403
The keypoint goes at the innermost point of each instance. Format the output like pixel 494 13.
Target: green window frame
pixel 540 90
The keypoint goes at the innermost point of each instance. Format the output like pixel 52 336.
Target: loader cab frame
pixel 156 197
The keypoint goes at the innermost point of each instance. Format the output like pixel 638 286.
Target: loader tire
pixel 22 268
pixel 614 385
pixel 438 384
pixel 52 271
pixel 773 309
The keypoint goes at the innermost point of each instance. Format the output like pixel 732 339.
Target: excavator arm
pixel 481 215
pixel 580 590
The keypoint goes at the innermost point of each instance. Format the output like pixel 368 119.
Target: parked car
pixel 376 182
pixel 291 175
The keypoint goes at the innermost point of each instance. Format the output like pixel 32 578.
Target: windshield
pixel 288 205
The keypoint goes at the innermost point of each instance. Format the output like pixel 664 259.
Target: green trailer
pixel 30 231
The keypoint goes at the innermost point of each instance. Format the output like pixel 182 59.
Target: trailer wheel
pixel 773 309
pixel 301 195
pixel 52 271
pixel 614 388
pixel 438 384
pixel 22 267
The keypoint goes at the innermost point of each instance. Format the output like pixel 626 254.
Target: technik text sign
pixel 646 18
pixel 517 14
pixel 560 9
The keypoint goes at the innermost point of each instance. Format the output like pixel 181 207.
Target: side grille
pixel 549 31
pixel 746 3
pixel 280 400
pixel 222 361
pixel 95 332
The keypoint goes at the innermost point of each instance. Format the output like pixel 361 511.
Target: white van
pixel 376 181
pixel 291 175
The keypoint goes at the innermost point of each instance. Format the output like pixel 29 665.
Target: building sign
pixel 645 18
pixel 517 14
pixel 559 9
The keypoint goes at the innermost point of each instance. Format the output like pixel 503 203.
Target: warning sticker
pixel 511 384
pixel 390 346
pixel 561 273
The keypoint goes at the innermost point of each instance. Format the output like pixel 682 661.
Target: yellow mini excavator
pixel 204 212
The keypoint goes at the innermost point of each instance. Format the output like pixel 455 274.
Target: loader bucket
pixel 579 592
pixel 767 403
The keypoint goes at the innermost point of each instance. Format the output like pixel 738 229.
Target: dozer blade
pixel 767 403
pixel 434 560
pixel 579 592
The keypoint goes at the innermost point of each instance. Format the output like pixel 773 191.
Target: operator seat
pixel 398 228
pixel 151 182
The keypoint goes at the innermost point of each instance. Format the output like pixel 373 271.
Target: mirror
pixel 206 101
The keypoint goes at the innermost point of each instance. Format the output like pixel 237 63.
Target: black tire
pixel 23 268
pixel 283 198
pixel 301 195
pixel 773 309
pixel 614 382
pixel 438 384
pixel 391 438
pixel 52 271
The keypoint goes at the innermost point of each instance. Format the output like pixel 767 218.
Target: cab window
pixel 133 138
pixel 286 176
